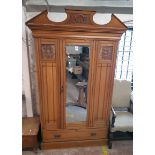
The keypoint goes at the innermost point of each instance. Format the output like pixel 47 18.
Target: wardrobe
pixel 75 62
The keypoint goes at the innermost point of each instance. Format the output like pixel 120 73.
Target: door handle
pixel 57 136
pixel 93 134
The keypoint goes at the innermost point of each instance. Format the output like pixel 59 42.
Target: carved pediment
pixel 77 20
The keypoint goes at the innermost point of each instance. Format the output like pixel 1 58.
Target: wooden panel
pixel 48 55
pixel 101 93
pixel 29 141
pixel 101 98
pixel 105 52
pixel 44 91
pixel 50 93
pixel 96 87
pixel 107 103
pixel 47 52
pixel 105 61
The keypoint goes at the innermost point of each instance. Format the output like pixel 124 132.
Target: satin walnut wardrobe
pixel 75 69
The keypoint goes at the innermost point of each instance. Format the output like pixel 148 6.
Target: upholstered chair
pixel 121 119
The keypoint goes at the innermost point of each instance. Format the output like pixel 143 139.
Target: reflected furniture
pixel 82 95
pixel 121 122
pixel 79 40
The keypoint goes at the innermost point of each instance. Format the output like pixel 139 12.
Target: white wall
pixel 26 87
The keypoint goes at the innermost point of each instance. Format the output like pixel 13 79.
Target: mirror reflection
pixel 77 71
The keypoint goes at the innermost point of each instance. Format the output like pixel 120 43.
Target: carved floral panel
pixel 48 52
pixel 79 19
pixel 105 53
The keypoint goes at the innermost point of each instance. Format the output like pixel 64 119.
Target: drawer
pixel 67 135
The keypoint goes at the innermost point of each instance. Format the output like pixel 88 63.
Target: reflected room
pixel 77 71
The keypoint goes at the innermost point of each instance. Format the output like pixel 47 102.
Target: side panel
pixel 50 94
pixel 49 82
pixel 104 77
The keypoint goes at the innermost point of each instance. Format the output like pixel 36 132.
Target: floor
pixel 119 148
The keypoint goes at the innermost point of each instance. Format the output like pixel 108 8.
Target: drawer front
pixel 67 135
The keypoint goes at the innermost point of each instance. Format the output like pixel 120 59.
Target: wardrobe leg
pixel 110 140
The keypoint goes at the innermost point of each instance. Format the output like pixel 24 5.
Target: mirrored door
pixel 77 73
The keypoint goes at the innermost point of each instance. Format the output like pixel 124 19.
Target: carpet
pixel 119 148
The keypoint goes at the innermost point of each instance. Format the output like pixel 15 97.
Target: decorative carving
pixel 48 52
pixel 105 53
pixel 79 19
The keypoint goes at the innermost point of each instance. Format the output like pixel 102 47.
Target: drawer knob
pixel 93 134
pixel 57 136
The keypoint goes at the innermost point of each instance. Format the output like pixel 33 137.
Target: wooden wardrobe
pixel 72 56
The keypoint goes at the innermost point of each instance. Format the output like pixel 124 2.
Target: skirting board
pixel 68 144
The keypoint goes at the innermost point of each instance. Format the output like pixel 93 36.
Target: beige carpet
pixel 119 148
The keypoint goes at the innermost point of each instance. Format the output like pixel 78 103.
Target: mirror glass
pixel 77 71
